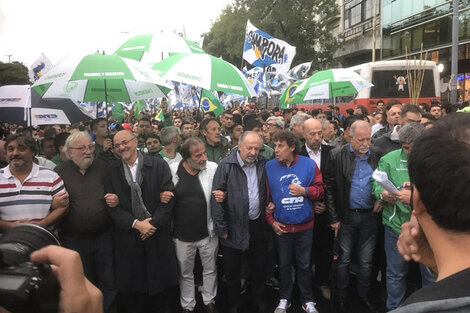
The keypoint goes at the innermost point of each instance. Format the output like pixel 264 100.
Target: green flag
pixel 118 112
pixel 139 106
pixel 288 96
pixel 210 103
pixel 160 116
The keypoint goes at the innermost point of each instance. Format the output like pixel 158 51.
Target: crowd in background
pixel 237 157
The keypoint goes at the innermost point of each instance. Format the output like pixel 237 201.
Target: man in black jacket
pixel 352 209
pixel 145 257
pixel 322 233
pixel 239 219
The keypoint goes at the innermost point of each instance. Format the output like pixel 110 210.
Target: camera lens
pixel 20 241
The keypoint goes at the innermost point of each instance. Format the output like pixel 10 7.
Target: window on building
pixel 357 11
pixel 429 34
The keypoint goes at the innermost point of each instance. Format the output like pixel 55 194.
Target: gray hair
pixel 71 139
pixel 245 134
pixel 278 121
pixel 325 123
pixel 298 119
pixel 358 124
pixel 167 134
pixel 410 132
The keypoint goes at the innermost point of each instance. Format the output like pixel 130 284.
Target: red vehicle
pixel 390 79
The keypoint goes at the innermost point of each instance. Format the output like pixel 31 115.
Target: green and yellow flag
pixel 139 106
pixel 210 103
pixel 160 116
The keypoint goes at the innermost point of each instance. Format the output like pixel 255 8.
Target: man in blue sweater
pixel 295 182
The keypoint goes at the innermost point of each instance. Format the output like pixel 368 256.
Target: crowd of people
pixel 274 194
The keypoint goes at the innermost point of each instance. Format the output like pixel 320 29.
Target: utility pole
pixel 455 50
pixel 374 21
pixel 9 57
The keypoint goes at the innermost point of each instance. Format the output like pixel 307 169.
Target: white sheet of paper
pixel 382 178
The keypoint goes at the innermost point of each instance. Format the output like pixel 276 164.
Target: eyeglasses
pixel 271 124
pixel 90 147
pixel 123 143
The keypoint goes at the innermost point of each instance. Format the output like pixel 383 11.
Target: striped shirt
pixel 33 198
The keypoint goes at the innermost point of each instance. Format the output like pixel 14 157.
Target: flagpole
pixel 199 105
pixel 105 106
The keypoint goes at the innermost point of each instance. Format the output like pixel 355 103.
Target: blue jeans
pixel 300 245
pixel 397 270
pixel 360 229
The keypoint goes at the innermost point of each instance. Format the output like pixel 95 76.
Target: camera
pixel 27 286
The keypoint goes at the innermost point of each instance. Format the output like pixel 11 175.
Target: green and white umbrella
pixel 205 71
pixel 98 77
pixel 152 48
pixel 332 83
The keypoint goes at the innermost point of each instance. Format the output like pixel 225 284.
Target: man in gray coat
pixel 239 219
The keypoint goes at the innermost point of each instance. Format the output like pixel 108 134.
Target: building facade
pixel 403 25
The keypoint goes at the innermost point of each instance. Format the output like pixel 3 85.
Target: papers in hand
pixel 382 179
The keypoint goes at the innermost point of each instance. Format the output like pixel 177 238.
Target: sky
pixel 59 28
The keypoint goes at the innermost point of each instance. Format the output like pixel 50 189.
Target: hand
pixel 319 207
pixel 404 196
pixel 165 196
pixel 413 245
pixel 219 196
pixel 107 144
pixel 378 207
pixel 77 294
pixel 335 227
pixel 270 207
pixel 278 228
pixel 224 236
pixel 60 200
pixel 145 228
pixel 387 197
pixel 297 190
pixel 112 200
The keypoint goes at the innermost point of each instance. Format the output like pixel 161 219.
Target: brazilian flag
pixel 160 116
pixel 139 106
pixel 210 103
pixel 288 96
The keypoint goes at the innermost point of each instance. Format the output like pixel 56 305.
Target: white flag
pixel 39 68
pixel 263 50
pixel 300 71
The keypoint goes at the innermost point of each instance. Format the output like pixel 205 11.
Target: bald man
pixel 146 262
pixel 322 233
pixel 353 212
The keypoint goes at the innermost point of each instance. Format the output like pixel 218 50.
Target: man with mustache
pixel 87 226
pixel 30 193
pixel 352 210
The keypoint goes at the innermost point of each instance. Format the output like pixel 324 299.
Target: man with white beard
pixel 87 226
pixel 352 209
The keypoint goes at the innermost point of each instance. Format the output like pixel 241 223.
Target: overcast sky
pixel 62 27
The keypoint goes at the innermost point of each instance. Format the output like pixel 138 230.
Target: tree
pixel 14 73
pixel 301 23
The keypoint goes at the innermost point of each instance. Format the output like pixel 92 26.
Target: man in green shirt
pixel 396 212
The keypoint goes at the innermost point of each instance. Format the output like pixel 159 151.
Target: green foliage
pixel 14 73
pixel 301 23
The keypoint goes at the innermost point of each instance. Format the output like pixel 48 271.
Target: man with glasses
pixel 274 124
pixel 30 193
pixel 145 260
pixel 87 226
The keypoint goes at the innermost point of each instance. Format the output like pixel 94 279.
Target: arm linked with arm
pixel 217 209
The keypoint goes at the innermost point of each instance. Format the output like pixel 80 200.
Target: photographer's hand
pixel 77 293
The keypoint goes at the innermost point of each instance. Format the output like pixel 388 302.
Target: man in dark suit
pixel 322 232
pixel 145 257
